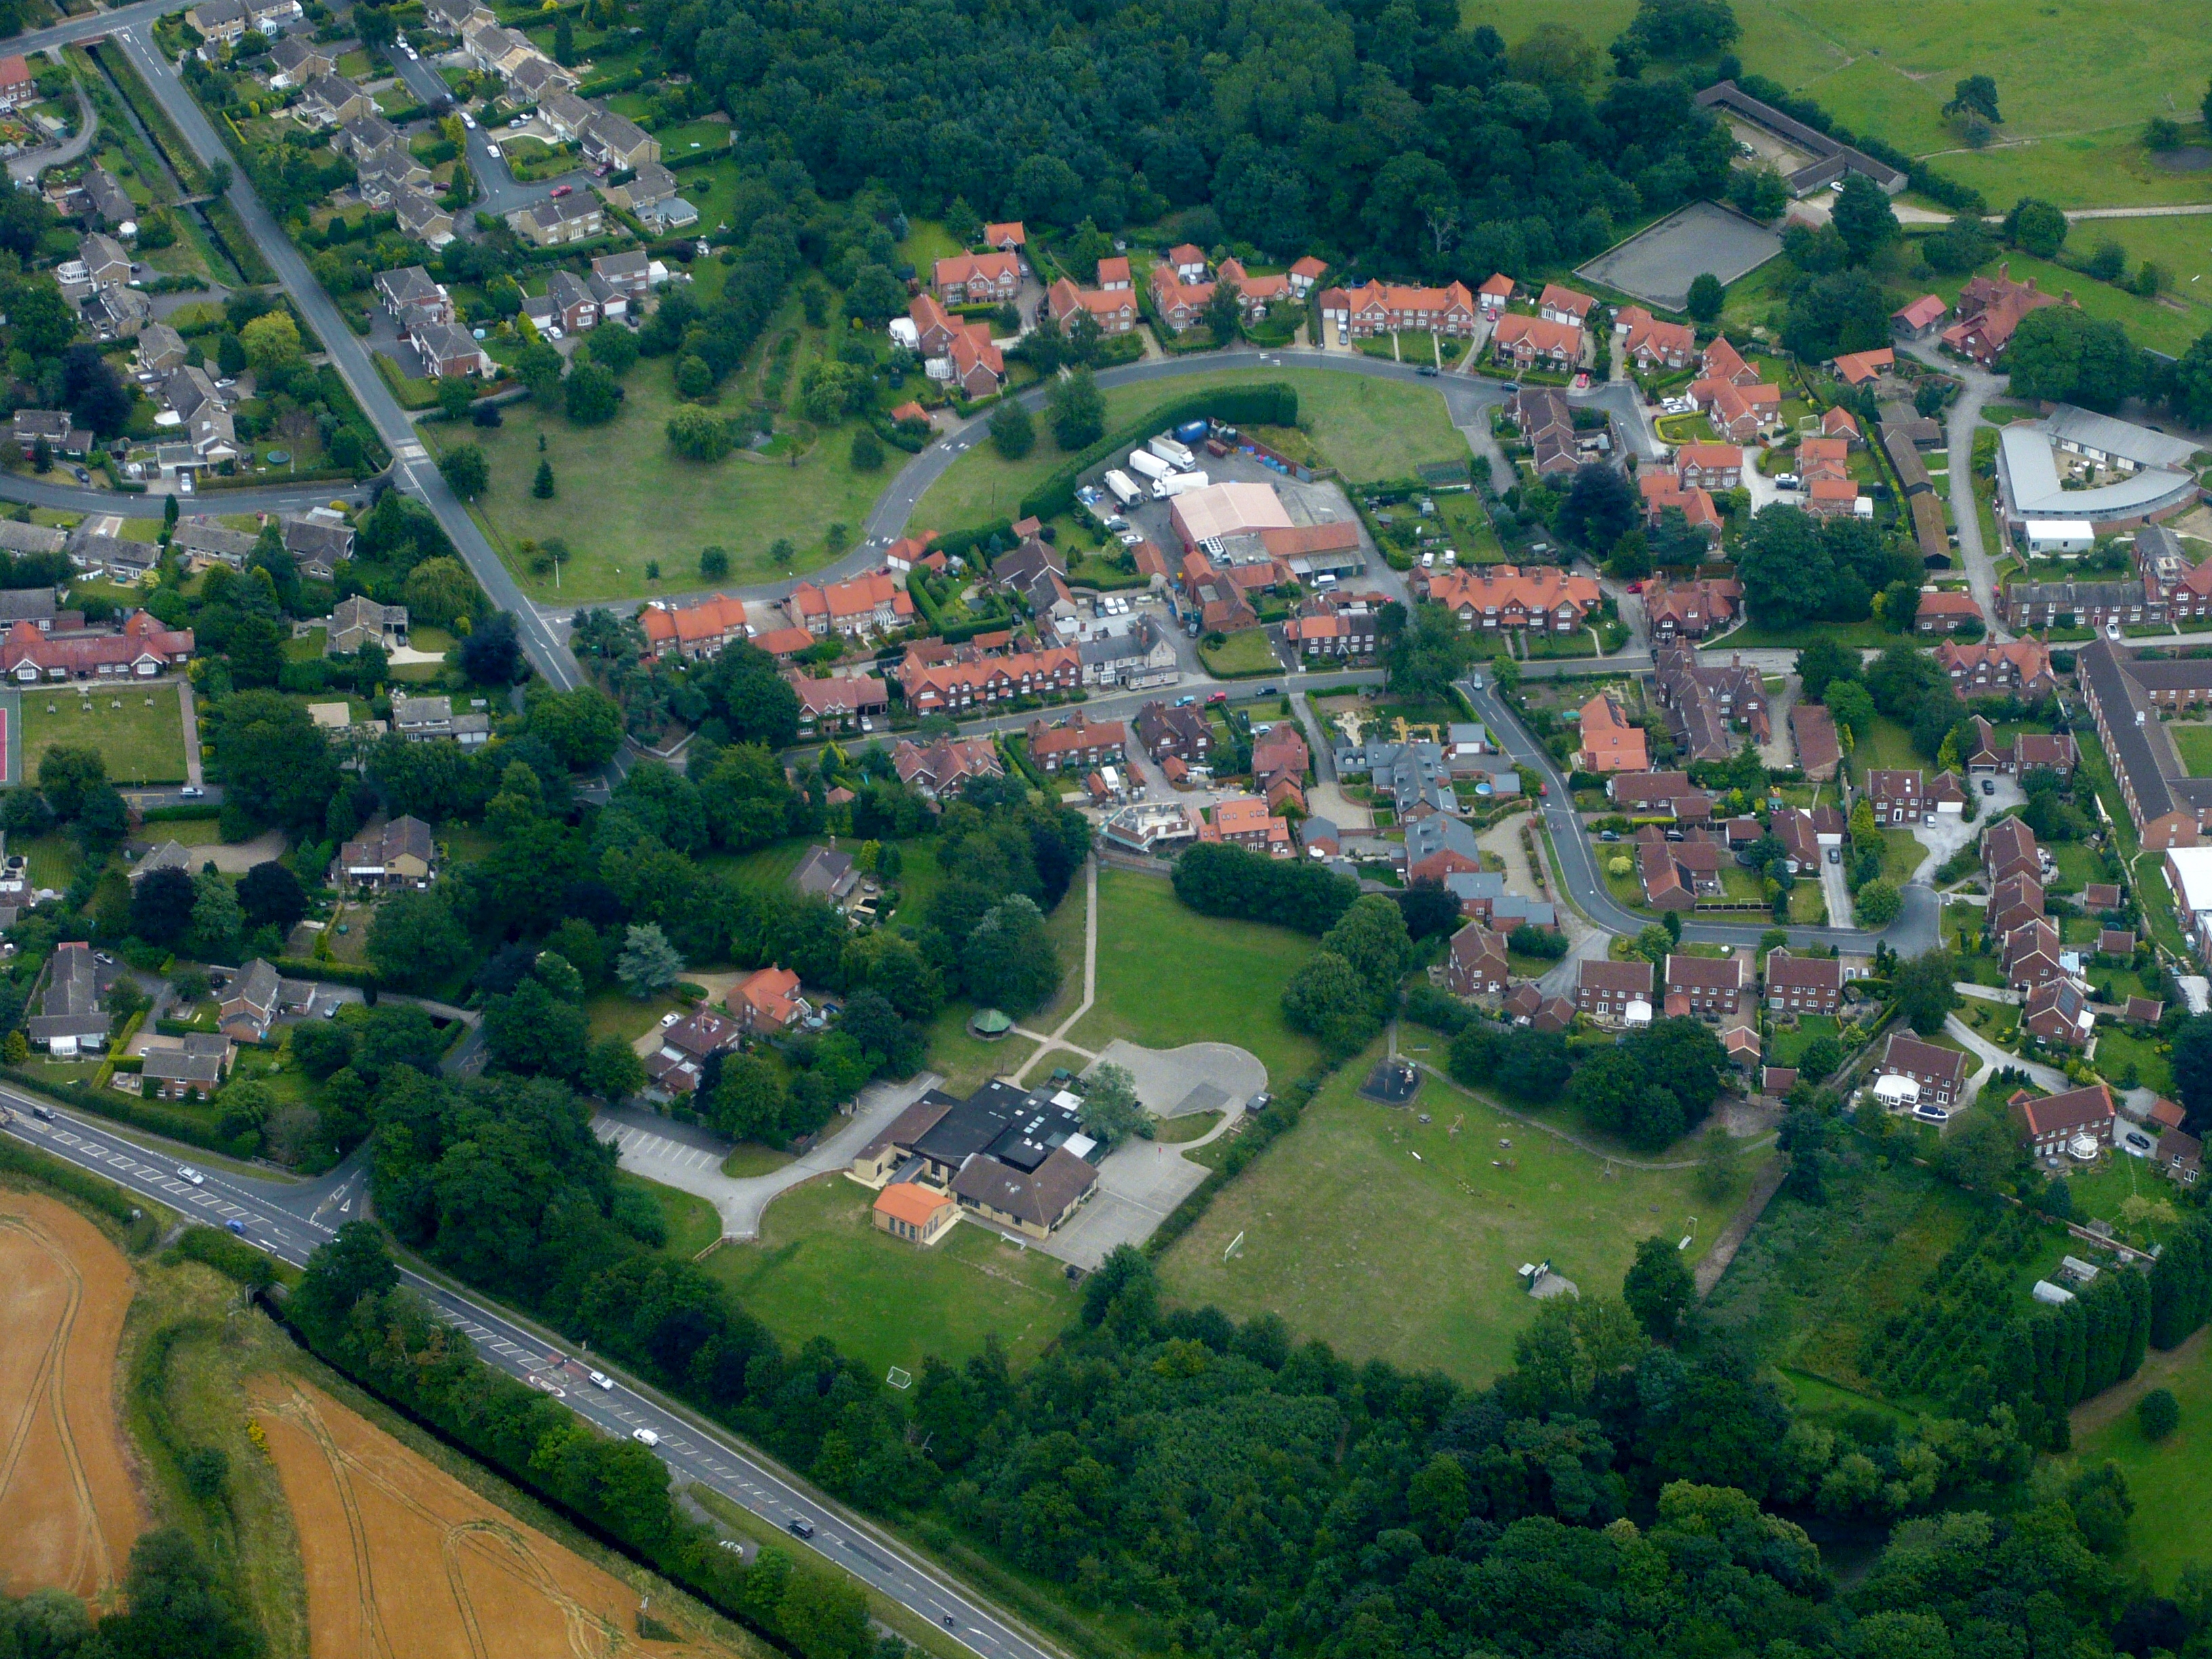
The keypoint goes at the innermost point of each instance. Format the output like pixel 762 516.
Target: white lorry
pixel 1124 487
pixel 1148 464
pixel 1175 483
pixel 1174 454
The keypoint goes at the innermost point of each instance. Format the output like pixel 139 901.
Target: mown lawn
pixel 820 1268
pixel 2192 742
pixel 141 743
pixel 1367 427
pixel 693 1223
pixel 1168 975
pixel 1247 652
pixel 2170 1479
pixel 625 503
pixel 2078 77
pixel 1356 1240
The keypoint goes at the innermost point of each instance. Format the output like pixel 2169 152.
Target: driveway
pixel 1140 1185
pixel 689 1159
pixel 1198 1077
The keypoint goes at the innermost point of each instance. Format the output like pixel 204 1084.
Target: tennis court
pixel 1658 263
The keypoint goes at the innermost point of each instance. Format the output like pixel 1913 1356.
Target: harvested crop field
pixel 404 1562
pixel 68 1511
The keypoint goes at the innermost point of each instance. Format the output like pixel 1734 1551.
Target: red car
pixel 1636 588
pixel 1218 696
pixel 563 190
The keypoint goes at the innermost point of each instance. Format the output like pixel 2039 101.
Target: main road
pixel 1914 931
pixel 290 1220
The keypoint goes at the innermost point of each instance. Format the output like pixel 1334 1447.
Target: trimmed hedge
pixel 339 973
pixel 1273 402
pixel 124 1108
pixel 190 812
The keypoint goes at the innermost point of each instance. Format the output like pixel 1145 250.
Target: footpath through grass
pixel 1168 975
pixel 2170 1479
pixel 1353 1238
pixel 820 1268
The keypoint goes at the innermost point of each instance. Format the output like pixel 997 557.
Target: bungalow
pixel 1676 874
pixel 194 1064
pixel 70 1010
pixel 1920 319
pixel 141 649
pixel 432 720
pixel 1945 610
pixel 919 1215
pixel 1008 238
pixel 1656 794
pixel 356 621
pixel 1858 368
pixel 677 1065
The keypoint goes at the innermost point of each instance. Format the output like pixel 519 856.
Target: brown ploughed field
pixel 404 1562
pixel 68 1511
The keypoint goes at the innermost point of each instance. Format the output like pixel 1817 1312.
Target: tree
pixel 875 295
pixel 1976 96
pixel 1784 567
pixel 1965 243
pixel 583 727
pixel 1373 936
pixel 1706 298
pixel 698 434
pixel 68 775
pixel 2193 1062
pixel 414 940
pixel 614 350
pixel 439 592
pixel 592 394
pixel 1224 314
pixel 648 962
pixel 1923 988
pixel 1658 1289
pixel 1013 434
pixel 2157 1413
pixel 275 764
pixel 1876 904
pixel 1328 1000
pixel 1111 1112
pixel 218 920
pixel 1851 705
pixel 1862 216
pixel 2035 226
pixel 270 896
pixel 492 653
pixel 1076 411
pixel 161 907
pixel 1006 961
pixel 271 342
pixel 1824 661
pixel 2065 354
pixel 457 397
pixel 1684 29
pixel 465 472
pixel 867 454
pixel 542 486
pixel 1601 505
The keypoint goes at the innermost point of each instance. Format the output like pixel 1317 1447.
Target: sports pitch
pixel 1658 263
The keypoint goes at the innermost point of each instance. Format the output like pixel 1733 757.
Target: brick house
pixel 2008 848
pixel 1526 342
pixel 2054 1124
pixel 1897 797
pixel 1115 310
pixel 1077 745
pixel 944 687
pixel 1703 987
pixel 1244 821
pixel 1563 304
pixel 1690 609
pixel 2031 956
pixel 1941 1073
pixel 976 279
pixel 1476 965
pixel 1651 345
pixel 1803 985
pixel 1658 793
pixel 1165 729
pixel 2058 1012
pixel 1986 668
pixel 870 604
pixel 1542 598
pixel 1709 466
pixel 1603 990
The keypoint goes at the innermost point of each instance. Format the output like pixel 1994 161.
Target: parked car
pixel 1787 481
pixel 1835 855
pixel 468 121
pixel 493 150
pixel 560 191
pixel 1988 786
pixel 191 792
pixel 1428 369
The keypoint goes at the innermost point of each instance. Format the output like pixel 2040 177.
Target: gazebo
pixel 989 1024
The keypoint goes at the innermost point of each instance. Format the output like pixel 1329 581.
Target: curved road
pixel 290 1219
pixel 1912 933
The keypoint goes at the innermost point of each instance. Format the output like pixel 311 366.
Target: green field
pixel 2076 79
pixel 820 1268
pixel 2163 324
pixel 1353 1241
pixel 624 501
pixel 2192 742
pixel 2171 1480
pixel 1168 975
pixel 1365 427
pixel 693 1223
pixel 141 743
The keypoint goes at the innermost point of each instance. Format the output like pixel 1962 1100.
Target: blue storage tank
pixel 1192 432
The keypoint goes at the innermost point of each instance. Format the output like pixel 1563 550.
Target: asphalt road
pixel 412 469
pixel 271 498
pixel 290 1220
pixel 501 192
pixel 1912 933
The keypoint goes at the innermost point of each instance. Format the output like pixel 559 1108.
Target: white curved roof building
pixel 2155 474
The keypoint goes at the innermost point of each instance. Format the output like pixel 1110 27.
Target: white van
pixel 1428 561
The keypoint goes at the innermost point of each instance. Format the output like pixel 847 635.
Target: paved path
pixel 1959 421
pixel 689 1159
pixel 1056 1039
pixel 1994 1059
pixel 25 167
pixel 188 708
